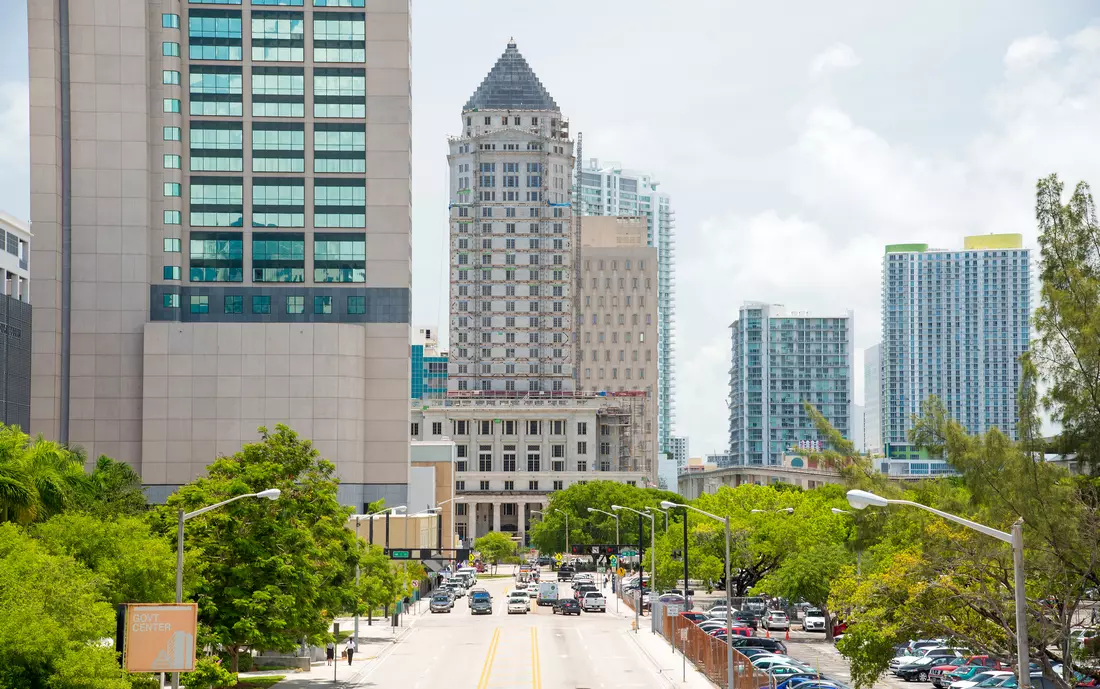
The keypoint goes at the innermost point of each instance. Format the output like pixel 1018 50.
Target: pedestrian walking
pixel 330 653
pixel 350 649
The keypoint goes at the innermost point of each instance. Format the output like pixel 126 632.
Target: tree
pixel 51 620
pixel 548 534
pixel 37 480
pixel 270 571
pixel 379 586
pixel 1068 316
pixel 131 564
pixel 494 547
pixel 818 556
pixel 112 489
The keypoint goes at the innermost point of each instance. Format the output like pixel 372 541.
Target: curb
pixel 669 681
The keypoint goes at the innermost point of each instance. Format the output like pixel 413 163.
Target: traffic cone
pixel 767 633
pixel 788 634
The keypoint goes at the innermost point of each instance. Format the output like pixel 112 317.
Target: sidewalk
pixel 669 663
pixel 375 643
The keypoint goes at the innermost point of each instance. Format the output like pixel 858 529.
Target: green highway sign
pixel 629 553
pixel 400 554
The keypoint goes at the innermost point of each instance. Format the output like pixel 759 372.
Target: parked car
pixel 745 618
pixel 813 620
pixel 593 601
pixel 773 645
pixel 927 651
pixel 694 616
pixel 441 603
pixel 756 605
pixel 938 673
pixel 977 678
pixel 718 611
pixel 567 606
pixel 672 599
pixel 919 669
pixel 776 620
pixel 519 604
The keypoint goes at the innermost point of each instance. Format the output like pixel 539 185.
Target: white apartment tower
pixel 511 238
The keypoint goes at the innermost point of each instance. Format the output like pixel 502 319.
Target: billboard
pixel 160 637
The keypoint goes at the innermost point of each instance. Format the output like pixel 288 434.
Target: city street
pixel 538 650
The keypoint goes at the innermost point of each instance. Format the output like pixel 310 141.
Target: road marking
pixel 487 668
pixel 536 671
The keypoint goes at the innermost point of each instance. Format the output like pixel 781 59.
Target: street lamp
pixel 788 510
pixel 371 516
pixel 647 509
pixel 566 528
pixel 653 560
pixel 614 574
pixel 861 499
pixel 270 494
pixel 729 597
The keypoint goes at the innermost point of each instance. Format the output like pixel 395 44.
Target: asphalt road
pixel 538 650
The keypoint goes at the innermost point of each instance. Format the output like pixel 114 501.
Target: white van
pixel 471 572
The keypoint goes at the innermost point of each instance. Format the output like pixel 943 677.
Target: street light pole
pixel 566 528
pixel 729 595
pixel 369 517
pixel 665 512
pixel 861 499
pixel 615 577
pixel 653 559
pixel 270 494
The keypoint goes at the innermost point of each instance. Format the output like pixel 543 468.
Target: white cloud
pixel 1030 51
pixel 15 149
pixel 855 190
pixel 835 58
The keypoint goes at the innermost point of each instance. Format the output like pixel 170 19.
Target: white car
pixel 767 663
pixel 519 604
pixel 521 593
pixel 978 679
pixel 718 612
pixel 813 620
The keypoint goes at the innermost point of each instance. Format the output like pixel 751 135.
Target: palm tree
pixel 36 480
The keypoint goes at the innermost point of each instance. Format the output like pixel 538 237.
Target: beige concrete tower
pixel 220 197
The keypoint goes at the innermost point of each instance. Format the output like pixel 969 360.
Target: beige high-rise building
pixel 617 342
pixel 222 234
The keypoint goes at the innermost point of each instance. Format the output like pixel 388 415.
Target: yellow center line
pixel 536 676
pixel 487 668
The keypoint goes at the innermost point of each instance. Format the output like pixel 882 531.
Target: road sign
pixel 684 634
pixel 400 554
pixel 614 561
pixel 622 572
pixel 160 637
pixel 558 558
pixel 629 553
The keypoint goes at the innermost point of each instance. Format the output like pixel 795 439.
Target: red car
pixel 938 674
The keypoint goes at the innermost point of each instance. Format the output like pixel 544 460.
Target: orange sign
pixel 160 637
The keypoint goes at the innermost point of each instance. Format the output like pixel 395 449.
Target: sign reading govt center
pixel 160 637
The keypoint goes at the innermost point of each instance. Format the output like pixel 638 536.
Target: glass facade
pixel 278 257
pixel 339 257
pixel 216 257
pixel 339 37
pixel 339 203
pixel 278 36
pixel 429 374
pixel 278 147
pixel 216 91
pixel 278 92
pixel 216 146
pixel 954 325
pixel 339 147
pixel 278 202
pixel 214 34
pixel 339 92
pixel 780 362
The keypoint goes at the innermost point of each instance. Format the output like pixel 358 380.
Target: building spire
pixel 511 85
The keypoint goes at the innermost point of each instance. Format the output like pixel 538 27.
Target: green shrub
pixel 144 682
pixel 209 674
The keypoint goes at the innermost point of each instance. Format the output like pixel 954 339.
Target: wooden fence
pixel 708 654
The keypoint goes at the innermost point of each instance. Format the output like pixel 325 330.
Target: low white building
pixel 512 452
pixel 14 253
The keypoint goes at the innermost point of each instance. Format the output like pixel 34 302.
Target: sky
pixel 796 138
